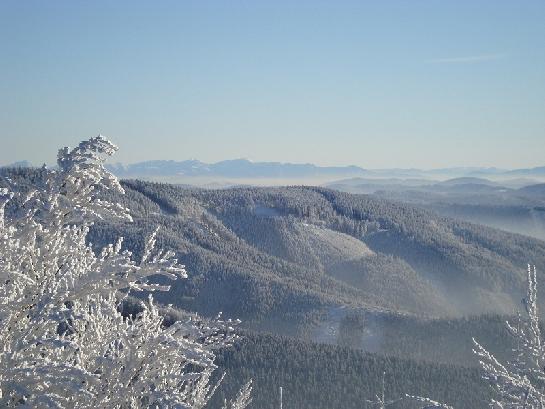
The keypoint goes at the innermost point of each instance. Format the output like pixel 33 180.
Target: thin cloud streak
pixel 468 59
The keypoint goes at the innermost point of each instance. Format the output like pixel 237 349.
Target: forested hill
pixel 315 376
pixel 273 255
pixel 278 256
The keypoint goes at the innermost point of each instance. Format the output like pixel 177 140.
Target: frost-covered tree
pixel 519 383
pixel 63 341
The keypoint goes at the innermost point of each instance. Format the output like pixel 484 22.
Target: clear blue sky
pixel 377 84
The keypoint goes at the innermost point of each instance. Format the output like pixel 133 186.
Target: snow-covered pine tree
pixel 63 341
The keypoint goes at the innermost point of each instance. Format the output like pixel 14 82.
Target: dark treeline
pixel 317 376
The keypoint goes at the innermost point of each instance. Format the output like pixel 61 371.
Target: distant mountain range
pixel 246 169
pixel 237 168
pixel 236 171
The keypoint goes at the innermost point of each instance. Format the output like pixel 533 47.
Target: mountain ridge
pixel 277 173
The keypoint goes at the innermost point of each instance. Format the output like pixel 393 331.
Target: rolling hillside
pixel 284 255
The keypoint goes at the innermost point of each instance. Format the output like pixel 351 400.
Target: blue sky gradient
pixel 376 84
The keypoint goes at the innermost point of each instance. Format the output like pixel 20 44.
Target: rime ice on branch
pixel 63 340
pixel 519 383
